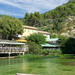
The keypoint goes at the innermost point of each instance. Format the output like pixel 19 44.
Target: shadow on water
pixel 69 63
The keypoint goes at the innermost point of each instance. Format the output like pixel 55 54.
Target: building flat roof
pixel 49 45
pixel 54 39
pixel 14 43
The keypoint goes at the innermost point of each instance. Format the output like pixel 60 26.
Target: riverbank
pixel 66 56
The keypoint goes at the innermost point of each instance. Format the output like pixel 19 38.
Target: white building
pixel 47 34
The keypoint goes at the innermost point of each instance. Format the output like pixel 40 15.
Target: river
pixel 44 66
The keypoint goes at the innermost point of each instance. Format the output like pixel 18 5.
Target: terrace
pixel 10 47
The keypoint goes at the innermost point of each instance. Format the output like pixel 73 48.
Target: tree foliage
pixel 61 11
pixel 68 47
pixel 67 44
pixel 34 48
pixel 10 26
pixel 37 38
pixel 32 19
pixel 59 14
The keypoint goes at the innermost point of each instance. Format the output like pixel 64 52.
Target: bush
pixel 28 56
pixel 56 54
pixel 51 52
pixel 66 56
pixel 70 29
pixel 59 51
pixel 46 52
pixel 20 56
pixel 27 52
pixel 55 51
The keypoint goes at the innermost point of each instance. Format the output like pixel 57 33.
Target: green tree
pixel 26 15
pixel 56 25
pixel 63 39
pixel 33 20
pixel 34 48
pixel 64 13
pixel 10 26
pixel 68 47
pixel 37 38
pixel 26 18
pixel 37 15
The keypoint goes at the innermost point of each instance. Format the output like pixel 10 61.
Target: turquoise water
pixel 44 66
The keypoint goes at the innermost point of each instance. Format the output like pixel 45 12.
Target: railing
pixel 12 49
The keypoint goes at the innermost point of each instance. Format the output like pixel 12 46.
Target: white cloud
pixel 10 13
pixel 9 3
pixel 34 5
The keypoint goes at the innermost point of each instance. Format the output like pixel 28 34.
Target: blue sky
pixel 18 8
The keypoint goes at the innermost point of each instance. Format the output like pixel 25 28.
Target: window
pixel 36 31
pixel 25 30
pixel 32 31
pixel 28 30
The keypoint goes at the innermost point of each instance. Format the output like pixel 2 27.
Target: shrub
pixel 20 56
pixel 56 54
pixel 27 52
pixel 66 56
pixel 46 52
pixel 70 29
pixel 28 56
pixel 55 51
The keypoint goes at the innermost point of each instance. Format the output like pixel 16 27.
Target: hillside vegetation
pixel 59 20
pixel 61 11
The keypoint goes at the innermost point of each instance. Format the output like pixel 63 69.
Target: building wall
pixel 47 36
pixel 28 31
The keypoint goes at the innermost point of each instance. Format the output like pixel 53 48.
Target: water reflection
pixel 11 61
